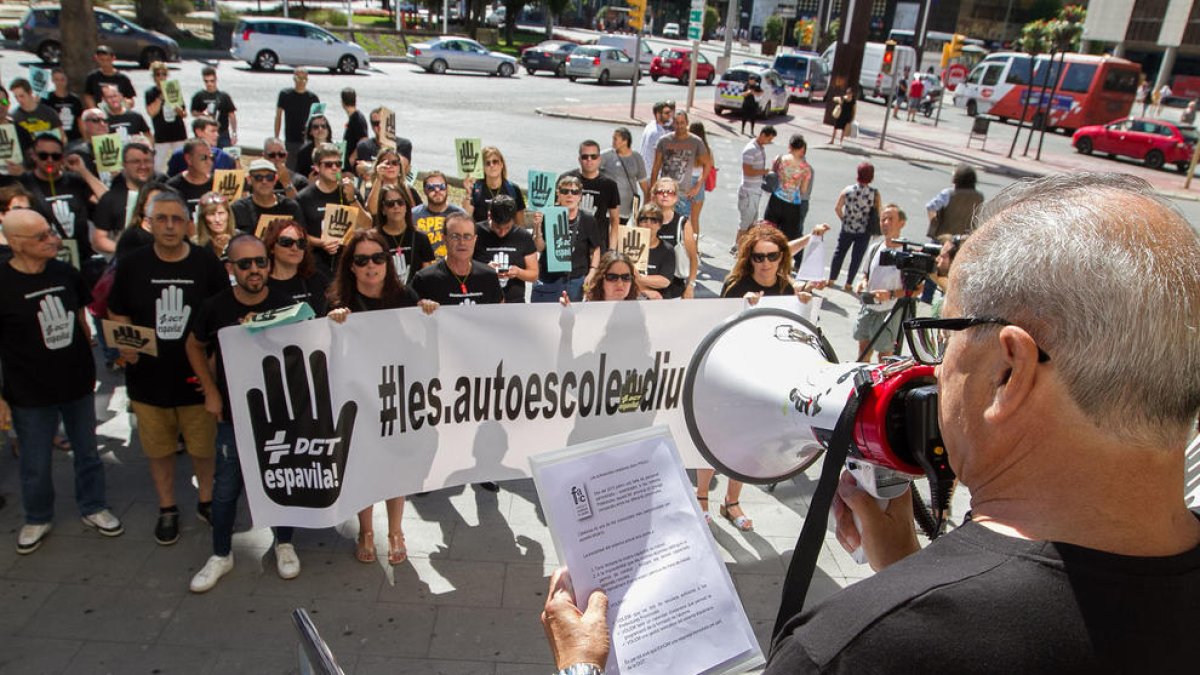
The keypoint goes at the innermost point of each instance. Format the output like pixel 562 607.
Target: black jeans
pixel 846 240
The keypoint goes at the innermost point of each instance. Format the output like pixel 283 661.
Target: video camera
pixel 915 260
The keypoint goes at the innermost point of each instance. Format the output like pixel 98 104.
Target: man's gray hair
pixel 1103 273
pixel 272 140
pixel 166 197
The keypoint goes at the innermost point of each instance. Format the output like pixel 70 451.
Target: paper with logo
pixel 387 128
pixel 556 232
pixel 131 206
pixel 812 266
pixel 173 94
pixel 68 252
pixel 230 182
pixel 467 151
pixel 624 519
pixel 10 150
pixel 338 220
pixel 129 336
pixel 333 417
pixel 106 148
pixel 541 188
pixel 264 221
pixel 300 311
pixel 635 243
pixel 39 81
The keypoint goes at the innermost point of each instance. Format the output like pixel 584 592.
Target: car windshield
pixel 790 64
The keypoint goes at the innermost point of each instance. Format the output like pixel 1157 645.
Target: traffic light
pixel 889 56
pixel 637 14
pixel 956 45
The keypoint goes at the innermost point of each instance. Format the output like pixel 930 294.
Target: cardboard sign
pixel 387 128
pixel 10 150
pixel 470 160
pixel 173 94
pixel 635 243
pixel 106 148
pixel 339 220
pixel 264 221
pixel 541 188
pixel 68 252
pixel 129 336
pixel 230 182
pixel 39 81
pixel 557 235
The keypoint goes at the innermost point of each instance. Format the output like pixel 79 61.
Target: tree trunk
pixel 78 23
pixel 152 15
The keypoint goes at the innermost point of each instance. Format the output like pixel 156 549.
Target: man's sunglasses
pixel 276 155
pixel 361 259
pixel 435 187
pixel 262 177
pixel 259 261
pixel 55 156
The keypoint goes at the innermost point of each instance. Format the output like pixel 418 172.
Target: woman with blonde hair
pixel 677 231
pixel 495 182
pixel 213 218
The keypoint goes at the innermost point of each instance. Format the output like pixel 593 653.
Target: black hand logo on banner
pixel 302 455
pixel 539 191
pixel 633 245
pixel 228 186
pixel 562 238
pixel 339 222
pixel 6 144
pixel 468 158
pixel 38 80
pixel 129 337
pixel 110 152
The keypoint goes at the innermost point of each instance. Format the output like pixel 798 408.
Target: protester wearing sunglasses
pixel 250 294
pixel 206 129
pixel 495 182
pixel 330 186
pixel 288 183
pixel 294 270
pixel 576 243
pixel 366 150
pixel 317 132
pixel 660 265
pixel 430 217
pixel 617 279
pixel 391 168
pixel 677 231
pixel 197 180
pixel 601 195
pixel 366 280
pixel 394 222
pixel 62 188
pixel 170 126
pixel 249 212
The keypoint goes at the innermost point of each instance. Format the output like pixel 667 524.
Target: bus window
pixel 1042 71
pixel 1019 71
pixel 992 76
pixel 1121 80
pixel 1079 78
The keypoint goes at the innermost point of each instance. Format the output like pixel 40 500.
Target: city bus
pixel 973 49
pixel 1091 89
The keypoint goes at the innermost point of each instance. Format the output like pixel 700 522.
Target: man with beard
pixel 431 216
pixel 111 210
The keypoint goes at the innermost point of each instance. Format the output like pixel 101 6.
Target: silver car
pixel 268 42
pixel 455 53
pixel 603 64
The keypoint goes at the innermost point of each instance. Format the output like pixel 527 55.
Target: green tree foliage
pixel 773 29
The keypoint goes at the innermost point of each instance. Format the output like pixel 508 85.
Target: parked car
pixel 674 62
pixel 550 55
pixel 1155 142
pixel 496 17
pixel 806 75
pixel 731 88
pixel 269 42
pixel 40 34
pixel 628 43
pixel 455 53
pixel 671 30
pixel 602 63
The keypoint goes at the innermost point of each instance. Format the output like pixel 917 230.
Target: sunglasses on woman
pixel 773 256
pixel 361 259
pixel 665 192
pixel 289 242
pixel 393 203
pixel 613 278
pixel 570 191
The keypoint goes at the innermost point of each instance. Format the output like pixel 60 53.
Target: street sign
pixel 696 16
pixel 786 9
pixel 956 74
pixel 694 30
pixel 696 21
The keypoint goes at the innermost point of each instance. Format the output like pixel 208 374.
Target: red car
pixel 676 63
pixel 1156 142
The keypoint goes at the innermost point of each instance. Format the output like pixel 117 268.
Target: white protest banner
pixel 812 267
pixel 399 402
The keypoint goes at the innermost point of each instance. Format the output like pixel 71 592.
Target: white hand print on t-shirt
pixel 58 325
pixel 171 314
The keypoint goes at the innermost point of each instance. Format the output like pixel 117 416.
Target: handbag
pixel 873 228
pixel 683 264
pixel 710 183
pixel 837 109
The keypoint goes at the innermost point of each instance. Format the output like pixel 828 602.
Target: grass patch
pixel 381 44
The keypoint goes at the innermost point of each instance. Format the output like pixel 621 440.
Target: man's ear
pixel 1014 375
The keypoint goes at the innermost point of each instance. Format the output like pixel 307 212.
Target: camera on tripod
pixel 915 260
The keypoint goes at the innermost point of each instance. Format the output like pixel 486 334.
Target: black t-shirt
pixel 296 106
pixel 599 195
pixel 45 355
pixel 110 211
pixel 511 250
pixel 361 303
pixel 311 289
pixel 297 181
pixel 131 240
pixel 216 105
pixel 164 131
pixel 312 201
pixel 223 310
pixel 480 287
pixel 672 229
pixel 357 129
pixel 662 262
pixel 42 119
pixel 482 196
pixel 586 236
pixel 411 251
pixel 246 213
pixel 165 296
pixel 64 203
pixel 747 284
pixel 304 159
pixel 367 148
pixel 96 79
pixel 999 604
pixel 132 122
pixel 190 192
pixel 69 108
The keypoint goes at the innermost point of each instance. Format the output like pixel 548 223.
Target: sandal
pixel 704 509
pixel 741 522
pixel 397 553
pixel 364 551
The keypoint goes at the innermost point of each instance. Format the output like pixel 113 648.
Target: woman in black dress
pixel 750 98
pixel 845 116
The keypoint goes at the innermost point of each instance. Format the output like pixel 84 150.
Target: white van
pixel 627 43
pixel 872 82
pixel 989 81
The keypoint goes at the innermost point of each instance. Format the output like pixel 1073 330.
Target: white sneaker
pixel 30 537
pixel 105 523
pixel 286 561
pixel 216 567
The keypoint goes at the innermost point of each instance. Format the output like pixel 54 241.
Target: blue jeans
pixel 227 488
pixel 551 291
pixel 846 240
pixel 35 429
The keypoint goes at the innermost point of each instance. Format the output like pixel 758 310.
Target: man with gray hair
pixel 287 184
pixel 1068 395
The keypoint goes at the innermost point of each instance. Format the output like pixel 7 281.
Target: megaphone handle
pixel 859 554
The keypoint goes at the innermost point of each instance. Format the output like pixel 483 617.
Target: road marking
pixel 571 100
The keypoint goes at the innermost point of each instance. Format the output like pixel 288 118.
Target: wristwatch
pixel 581 669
